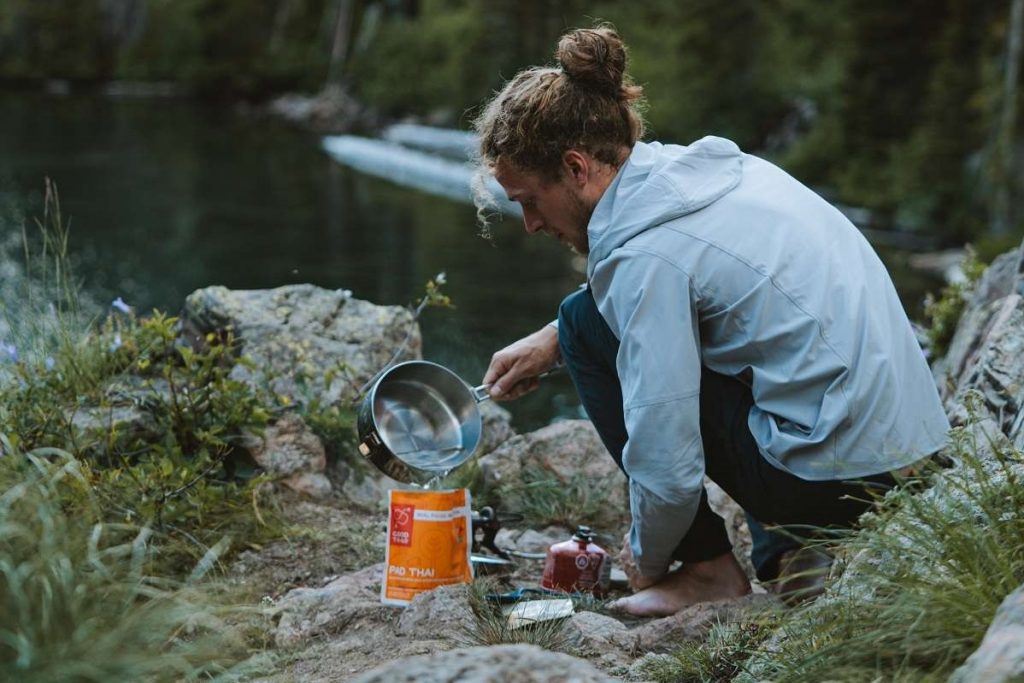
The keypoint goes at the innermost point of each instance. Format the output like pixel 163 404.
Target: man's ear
pixel 577 166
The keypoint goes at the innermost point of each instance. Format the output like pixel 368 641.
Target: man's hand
pixel 637 581
pixel 513 370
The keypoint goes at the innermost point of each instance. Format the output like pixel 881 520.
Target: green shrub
pixel 943 312
pixel 174 474
pixel 77 601
pixel 155 424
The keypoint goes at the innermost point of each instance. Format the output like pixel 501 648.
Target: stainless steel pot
pixel 420 421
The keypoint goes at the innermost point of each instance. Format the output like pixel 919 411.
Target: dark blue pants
pixel 796 508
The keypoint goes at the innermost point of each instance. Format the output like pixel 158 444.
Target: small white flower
pixel 120 305
pixel 441 278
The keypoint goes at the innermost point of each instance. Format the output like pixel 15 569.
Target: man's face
pixel 557 208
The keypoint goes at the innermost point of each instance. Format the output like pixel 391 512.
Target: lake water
pixel 168 196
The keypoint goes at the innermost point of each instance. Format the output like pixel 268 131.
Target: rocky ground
pixel 322 584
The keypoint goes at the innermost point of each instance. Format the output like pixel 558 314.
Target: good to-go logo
pixel 401 524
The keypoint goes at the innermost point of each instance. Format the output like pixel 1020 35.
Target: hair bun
pixel 594 58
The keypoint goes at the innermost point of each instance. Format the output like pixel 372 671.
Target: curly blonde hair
pixel 587 103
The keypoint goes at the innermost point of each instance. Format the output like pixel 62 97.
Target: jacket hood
pixel 657 184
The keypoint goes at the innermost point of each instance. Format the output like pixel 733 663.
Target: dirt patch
pixel 323 539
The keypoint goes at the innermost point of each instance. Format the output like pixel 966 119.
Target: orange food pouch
pixel 428 544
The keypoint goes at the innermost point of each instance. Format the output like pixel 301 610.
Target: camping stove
pixel 486 525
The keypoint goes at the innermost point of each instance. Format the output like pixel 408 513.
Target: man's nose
pixel 532 221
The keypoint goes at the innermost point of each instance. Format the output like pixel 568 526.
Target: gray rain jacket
pixel 706 255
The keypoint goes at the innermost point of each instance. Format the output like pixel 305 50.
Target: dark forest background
pixel 907 109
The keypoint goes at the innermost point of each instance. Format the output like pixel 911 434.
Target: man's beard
pixel 581 219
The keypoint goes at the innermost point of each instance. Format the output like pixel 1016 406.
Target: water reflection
pixel 168 196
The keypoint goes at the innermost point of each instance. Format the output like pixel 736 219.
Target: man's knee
pixel 574 312
pixel 583 333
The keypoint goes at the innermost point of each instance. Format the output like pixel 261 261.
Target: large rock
pixel 288 447
pixel 291 451
pixel 444 612
pixel 1000 658
pixel 300 335
pixel 360 483
pixel 311 612
pixel 569 451
pixel 316 345
pixel 599 637
pixel 566 449
pixel 494 664
pixel 992 371
pixel 497 427
pixel 534 540
pixel 350 654
pixel 95 424
pixel 981 377
pixel 1004 276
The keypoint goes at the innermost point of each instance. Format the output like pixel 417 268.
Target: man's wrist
pixel 548 337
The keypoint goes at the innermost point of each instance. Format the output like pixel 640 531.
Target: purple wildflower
pixel 9 350
pixel 120 305
pixel 49 362
pixel 116 344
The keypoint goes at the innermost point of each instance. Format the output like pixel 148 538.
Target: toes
pixel 620 605
pixel 626 606
pixel 637 606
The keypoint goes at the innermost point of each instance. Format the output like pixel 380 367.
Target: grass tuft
pixel 922 580
pixel 717 659
pixel 544 499
pixel 78 604
pixel 490 624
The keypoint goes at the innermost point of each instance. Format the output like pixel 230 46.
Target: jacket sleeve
pixel 651 307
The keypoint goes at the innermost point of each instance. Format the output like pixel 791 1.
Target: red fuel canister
pixel 578 565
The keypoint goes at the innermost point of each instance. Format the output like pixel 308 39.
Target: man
pixel 733 324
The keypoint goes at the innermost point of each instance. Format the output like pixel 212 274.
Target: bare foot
pixel 719 578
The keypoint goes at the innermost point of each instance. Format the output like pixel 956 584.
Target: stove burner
pixel 487 523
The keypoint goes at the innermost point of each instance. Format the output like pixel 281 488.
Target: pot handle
pixel 482 392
